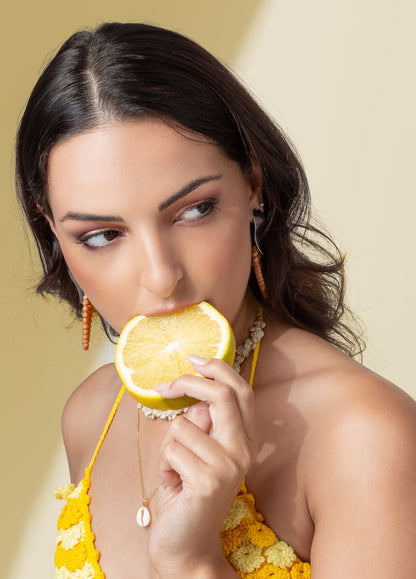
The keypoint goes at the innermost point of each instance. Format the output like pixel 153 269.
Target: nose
pixel 159 267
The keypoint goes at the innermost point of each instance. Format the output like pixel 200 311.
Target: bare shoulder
pixel 355 457
pixel 337 395
pixel 324 405
pixel 359 469
pixel 85 415
pixel 359 424
pixel 324 384
pixel 366 430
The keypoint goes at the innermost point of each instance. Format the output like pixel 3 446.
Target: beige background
pixel 340 79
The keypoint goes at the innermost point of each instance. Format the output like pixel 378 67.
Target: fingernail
pixel 198 408
pixel 197 360
pixel 164 387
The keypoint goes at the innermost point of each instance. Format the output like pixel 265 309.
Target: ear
pixel 255 182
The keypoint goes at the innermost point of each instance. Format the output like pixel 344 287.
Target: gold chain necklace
pixel 144 517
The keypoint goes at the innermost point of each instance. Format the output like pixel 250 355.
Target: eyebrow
pixel 186 190
pixel 78 216
pixel 89 217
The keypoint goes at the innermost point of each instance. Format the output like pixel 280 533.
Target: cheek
pixel 226 264
pixel 102 282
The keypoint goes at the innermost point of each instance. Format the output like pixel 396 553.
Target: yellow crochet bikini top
pixel 250 546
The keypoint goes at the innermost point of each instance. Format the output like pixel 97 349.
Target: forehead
pixel 137 156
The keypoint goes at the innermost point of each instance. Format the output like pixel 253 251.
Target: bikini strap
pixel 243 488
pixel 256 351
pixel 106 427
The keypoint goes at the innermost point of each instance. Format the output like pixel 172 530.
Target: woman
pixel 147 173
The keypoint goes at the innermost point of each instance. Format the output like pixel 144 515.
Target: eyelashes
pixel 99 239
pixel 192 215
pixel 197 211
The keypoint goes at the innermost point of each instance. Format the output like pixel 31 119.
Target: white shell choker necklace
pixel 255 334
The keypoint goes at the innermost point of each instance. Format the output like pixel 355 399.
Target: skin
pixel 327 447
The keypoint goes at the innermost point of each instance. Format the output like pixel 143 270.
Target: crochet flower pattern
pixel 252 547
pixel 76 556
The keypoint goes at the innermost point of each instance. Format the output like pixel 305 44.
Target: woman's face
pixel 151 221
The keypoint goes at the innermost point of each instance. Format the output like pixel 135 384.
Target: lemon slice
pixel 154 349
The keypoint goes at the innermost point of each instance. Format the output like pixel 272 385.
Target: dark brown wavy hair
pixel 119 72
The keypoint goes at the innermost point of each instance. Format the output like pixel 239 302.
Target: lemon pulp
pixel 154 349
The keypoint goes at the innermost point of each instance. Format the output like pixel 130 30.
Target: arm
pixel 84 416
pixel 362 488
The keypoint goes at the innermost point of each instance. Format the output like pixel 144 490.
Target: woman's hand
pixel 203 460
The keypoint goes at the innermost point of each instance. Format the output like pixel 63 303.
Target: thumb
pixel 199 415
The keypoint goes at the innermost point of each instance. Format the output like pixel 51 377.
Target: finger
pixel 200 464
pixel 221 372
pixel 199 415
pixel 231 462
pixel 228 423
pixel 169 478
pixel 192 469
pixel 189 435
pixel 231 396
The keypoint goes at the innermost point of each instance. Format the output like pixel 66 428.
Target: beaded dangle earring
pixel 259 223
pixel 87 312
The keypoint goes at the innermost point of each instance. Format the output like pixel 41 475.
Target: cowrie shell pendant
pixel 144 518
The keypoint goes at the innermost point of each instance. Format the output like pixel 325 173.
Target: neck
pixel 244 318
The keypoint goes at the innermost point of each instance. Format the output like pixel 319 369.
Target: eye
pixel 99 238
pixel 198 211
